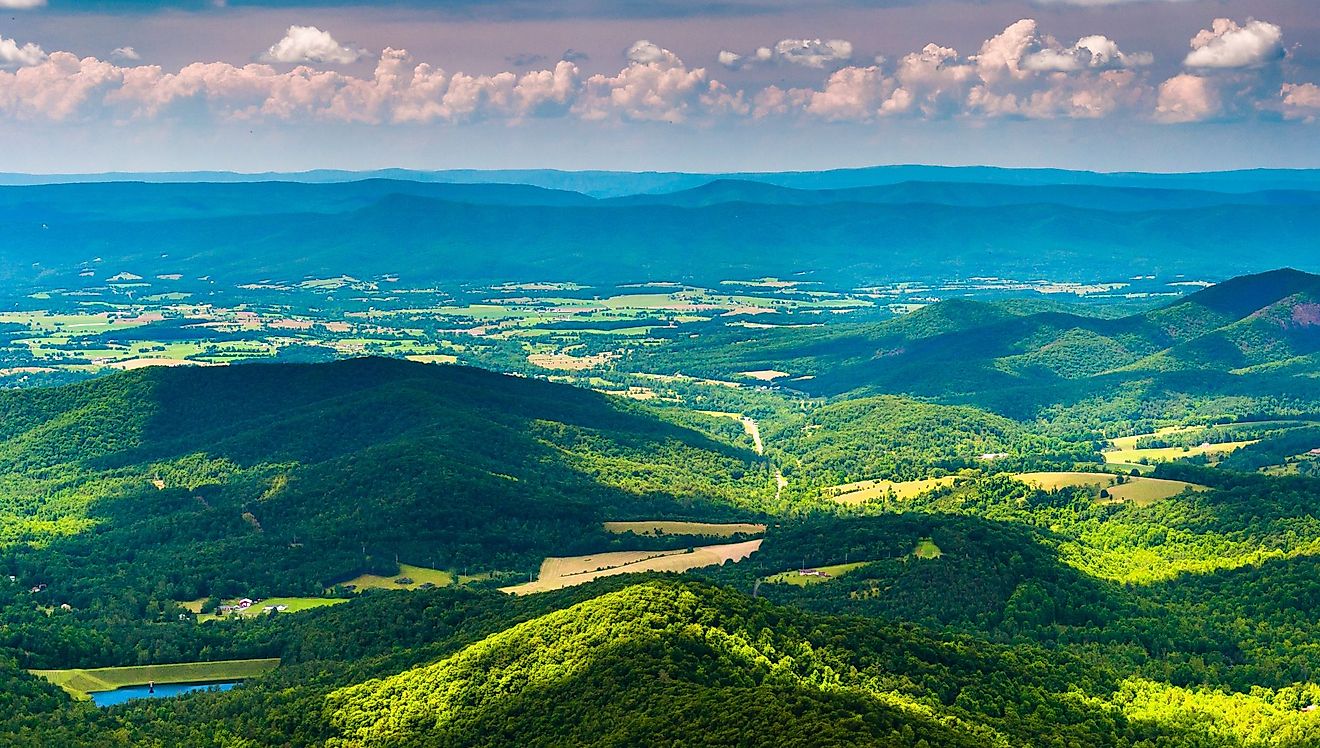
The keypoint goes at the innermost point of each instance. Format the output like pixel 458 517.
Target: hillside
pixel 265 480
pixel 1263 325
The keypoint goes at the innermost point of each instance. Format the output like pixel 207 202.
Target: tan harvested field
pixel 1142 491
pixel 557 573
pixel 764 375
pixel 1139 490
pixel 668 527
pixel 565 362
pixel 867 490
pixel 1164 454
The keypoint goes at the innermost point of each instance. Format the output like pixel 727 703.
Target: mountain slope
pixel 284 479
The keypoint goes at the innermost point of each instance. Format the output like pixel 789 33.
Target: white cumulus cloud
pixel 126 54
pixel 811 53
pixel 1187 98
pixel 14 56
pixel 22 4
pixel 1227 45
pixel 304 44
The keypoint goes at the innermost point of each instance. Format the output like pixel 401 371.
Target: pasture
pixel 861 492
pixel 804 577
pixel 416 576
pixel 1140 490
pixel 660 527
pixel 926 549
pixel 1165 454
pixel 79 682
pixel 557 573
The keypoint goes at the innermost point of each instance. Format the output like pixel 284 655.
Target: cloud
pixel 1228 45
pixel 14 56
pixel 1187 98
pixel 126 54
pixel 655 86
pixel 307 44
pixel 811 53
pixel 573 55
pixel 22 4
pixel 1301 101
pixel 1095 52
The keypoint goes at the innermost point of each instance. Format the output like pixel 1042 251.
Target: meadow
pixel 80 682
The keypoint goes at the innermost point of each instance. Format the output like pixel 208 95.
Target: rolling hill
pixel 283 479
pixel 1265 326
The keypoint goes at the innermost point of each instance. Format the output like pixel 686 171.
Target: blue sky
pixel 253 85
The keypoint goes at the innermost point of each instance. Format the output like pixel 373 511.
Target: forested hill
pixel 1256 334
pixel 135 489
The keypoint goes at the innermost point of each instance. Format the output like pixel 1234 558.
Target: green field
pixel 926 549
pixel 291 605
pixel 801 577
pixel 80 682
pixel 418 576
pixel 1140 490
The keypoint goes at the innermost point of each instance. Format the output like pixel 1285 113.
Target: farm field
pixel 80 682
pixel 861 492
pixel 1164 454
pixel 557 573
pixel 1140 490
pixel 417 576
pixel 675 527
pixel 264 606
pixel 803 577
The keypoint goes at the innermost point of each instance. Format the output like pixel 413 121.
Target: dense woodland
pixel 1033 616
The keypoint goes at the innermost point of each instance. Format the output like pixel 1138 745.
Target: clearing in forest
pixel 926 549
pixel 764 375
pixel 674 527
pixel 866 490
pixel 557 573
pixel 1138 489
pixel 80 682
pixel 814 575
pixel 409 578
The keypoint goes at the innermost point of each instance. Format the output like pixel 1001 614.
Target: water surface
pixel 163 690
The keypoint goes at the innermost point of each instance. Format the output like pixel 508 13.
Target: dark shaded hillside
pixel 284 479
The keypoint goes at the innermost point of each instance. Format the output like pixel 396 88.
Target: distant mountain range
pixel 618 183
pixel 431 231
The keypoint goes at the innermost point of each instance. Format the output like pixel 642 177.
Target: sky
pixel 286 85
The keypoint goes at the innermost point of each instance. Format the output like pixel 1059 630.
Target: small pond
pixel 162 690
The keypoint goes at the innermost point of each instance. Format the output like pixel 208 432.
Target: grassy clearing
pixel 926 549
pixel 867 490
pixel 816 575
pixel 667 527
pixel 263 607
pixel 1165 454
pixel 416 576
pixel 557 573
pixel 81 682
pixel 1140 490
